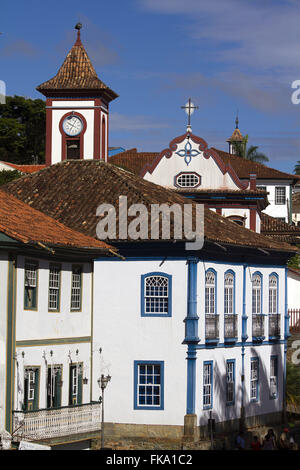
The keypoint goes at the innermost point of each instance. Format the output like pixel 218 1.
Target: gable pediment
pixel 189 154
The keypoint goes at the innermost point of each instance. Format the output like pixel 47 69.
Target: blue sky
pixel 225 55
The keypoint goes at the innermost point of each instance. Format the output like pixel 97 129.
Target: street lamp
pixel 102 382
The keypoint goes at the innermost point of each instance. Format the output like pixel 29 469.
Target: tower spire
pixel 78 26
pixel 237 119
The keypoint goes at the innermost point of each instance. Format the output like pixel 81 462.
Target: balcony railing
pixel 56 422
pixel 258 326
pixel 274 325
pixel 211 327
pixel 230 326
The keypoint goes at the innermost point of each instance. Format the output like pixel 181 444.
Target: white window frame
pixel 273 294
pixel 54 287
pixel 210 292
pixel 229 294
pixel 256 294
pixel 76 288
pixel 254 377
pixel 280 195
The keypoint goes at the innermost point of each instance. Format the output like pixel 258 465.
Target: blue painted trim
pixel 286 313
pixel 208 407
pixel 191 333
pixel 162 274
pixel 191 379
pixel 276 369
pixel 255 400
pixel 231 361
pixel 244 316
pixel 241 344
pixel 135 385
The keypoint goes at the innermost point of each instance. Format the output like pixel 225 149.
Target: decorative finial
pixel 237 120
pixel 189 109
pixel 78 27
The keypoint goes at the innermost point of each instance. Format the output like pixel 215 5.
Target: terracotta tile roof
pixel 71 191
pixel 279 230
pixel 244 168
pixel 76 73
pixel 25 168
pixel 133 160
pixel 27 225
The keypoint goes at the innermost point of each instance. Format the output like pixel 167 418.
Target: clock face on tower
pixel 72 125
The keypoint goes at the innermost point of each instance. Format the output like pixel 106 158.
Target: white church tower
pixel 77 109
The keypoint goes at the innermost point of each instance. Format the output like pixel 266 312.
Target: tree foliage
pixel 297 168
pixel 9 175
pixel 250 153
pixel 22 130
pixel 293 384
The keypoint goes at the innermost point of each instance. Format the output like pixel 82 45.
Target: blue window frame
pixel 230 382
pixel 254 379
pixel 156 295
pixel 273 377
pixel 148 385
pixel 207 385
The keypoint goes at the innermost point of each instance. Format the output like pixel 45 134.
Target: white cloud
pixel 120 122
pixel 260 34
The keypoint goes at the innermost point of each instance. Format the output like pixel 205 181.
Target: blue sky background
pixel 225 55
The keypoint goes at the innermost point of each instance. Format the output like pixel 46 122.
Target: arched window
pixel 273 293
pixel 156 294
pixel 256 293
pixel 210 292
pixel 229 293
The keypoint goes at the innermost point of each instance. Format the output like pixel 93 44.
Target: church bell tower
pixel 77 109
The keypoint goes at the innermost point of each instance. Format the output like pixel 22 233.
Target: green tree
pixel 9 175
pixel 292 384
pixel 250 153
pixel 297 168
pixel 22 130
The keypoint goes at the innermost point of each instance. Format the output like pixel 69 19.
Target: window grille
pixel 230 382
pixel 256 294
pixel 228 293
pixel 149 385
pixel 273 294
pixel 280 196
pixel 76 288
pixel 207 385
pixel 156 295
pixel 210 286
pixel 54 287
pixel 254 380
pixel 188 180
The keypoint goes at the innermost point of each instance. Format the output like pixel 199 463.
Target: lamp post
pixel 102 382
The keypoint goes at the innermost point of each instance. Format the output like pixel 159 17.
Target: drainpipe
pixel 286 336
pixel 191 339
pixel 244 339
